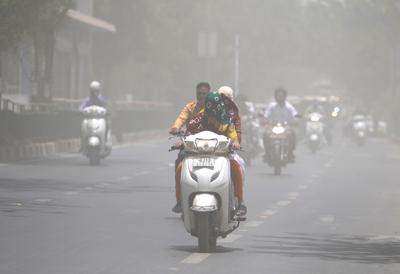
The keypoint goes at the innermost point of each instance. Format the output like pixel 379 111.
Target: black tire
pixel 204 235
pixel 277 170
pixel 94 160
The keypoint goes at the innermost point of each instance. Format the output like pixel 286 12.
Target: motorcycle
pixel 279 146
pixel 250 139
pixel 209 205
pixel 359 126
pixel 96 137
pixel 315 131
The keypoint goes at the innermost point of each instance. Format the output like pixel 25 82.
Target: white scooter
pixel 209 205
pixel 315 131
pixel 96 138
pixel 360 128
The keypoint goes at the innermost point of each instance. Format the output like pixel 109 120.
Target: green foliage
pixel 19 17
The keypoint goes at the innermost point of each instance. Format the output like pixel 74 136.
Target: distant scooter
pixel 359 129
pixel 315 129
pixel 96 137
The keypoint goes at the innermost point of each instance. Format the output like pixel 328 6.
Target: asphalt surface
pixel 334 212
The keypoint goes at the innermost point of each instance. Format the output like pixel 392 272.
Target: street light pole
pixel 237 63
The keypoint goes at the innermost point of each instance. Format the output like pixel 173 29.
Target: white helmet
pixel 227 91
pixel 95 86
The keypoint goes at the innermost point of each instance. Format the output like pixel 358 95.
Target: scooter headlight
pixel 278 129
pixel 315 118
pixel 203 145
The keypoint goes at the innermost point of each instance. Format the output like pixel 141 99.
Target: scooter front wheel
pixel 206 239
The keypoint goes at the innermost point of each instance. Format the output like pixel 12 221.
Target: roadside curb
pixel 40 150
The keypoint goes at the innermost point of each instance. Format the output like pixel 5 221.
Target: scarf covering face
pixel 215 108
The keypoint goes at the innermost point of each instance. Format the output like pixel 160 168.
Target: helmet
pixel 95 86
pixel 227 91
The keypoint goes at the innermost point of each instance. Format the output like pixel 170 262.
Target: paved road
pixel 334 212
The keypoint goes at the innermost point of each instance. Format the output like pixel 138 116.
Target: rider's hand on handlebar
pixel 175 131
pixel 236 146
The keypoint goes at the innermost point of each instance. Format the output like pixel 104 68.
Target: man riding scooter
pixel 190 110
pixel 96 132
pixel 280 111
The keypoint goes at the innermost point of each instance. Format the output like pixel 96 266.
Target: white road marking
pixel 327 219
pixel 71 193
pixel 293 195
pixel 173 269
pixel 15 204
pixel 385 238
pixel 88 188
pixel 140 173
pixel 302 187
pixel 310 181
pixel 263 216
pixel 195 258
pixel 361 155
pixel 393 156
pixel 315 176
pixel 162 168
pixel 242 230
pixel 42 200
pixel 253 223
pixel 230 238
pixel 3 165
pixel 270 212
pixel 328 165
pixel 171 164
pixel 284 203
pixel 124 178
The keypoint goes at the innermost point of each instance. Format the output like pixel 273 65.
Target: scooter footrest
pixel 240 218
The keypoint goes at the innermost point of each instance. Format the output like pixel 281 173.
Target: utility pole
pixel 237 63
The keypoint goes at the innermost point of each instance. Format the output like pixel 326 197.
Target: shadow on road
pixel 360 249
pixel 193 249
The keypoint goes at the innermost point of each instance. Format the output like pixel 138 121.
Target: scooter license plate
pixel 203 163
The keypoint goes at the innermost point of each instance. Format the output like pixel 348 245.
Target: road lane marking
pixel 88 188
pixel 253 223
pixel 310 181
pixel 293 195
pixel 42 200
pixel 270 212
pixel 140 173
pixel 230 238
pixel 327 219
pixel 15 204
pixel 171 164
pixel 284 203
pixel 3 165
pixel 71 192
pixel 385 238
pixel 195 258
pixel 173 269
pixel 302 187
pixel 361 155
pixel 315 176
pixel 393 156
pixel 242 230
pixel 124 178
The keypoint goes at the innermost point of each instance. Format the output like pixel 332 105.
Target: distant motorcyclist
pixel 95 98
pixel 315 107
pixel 281 111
